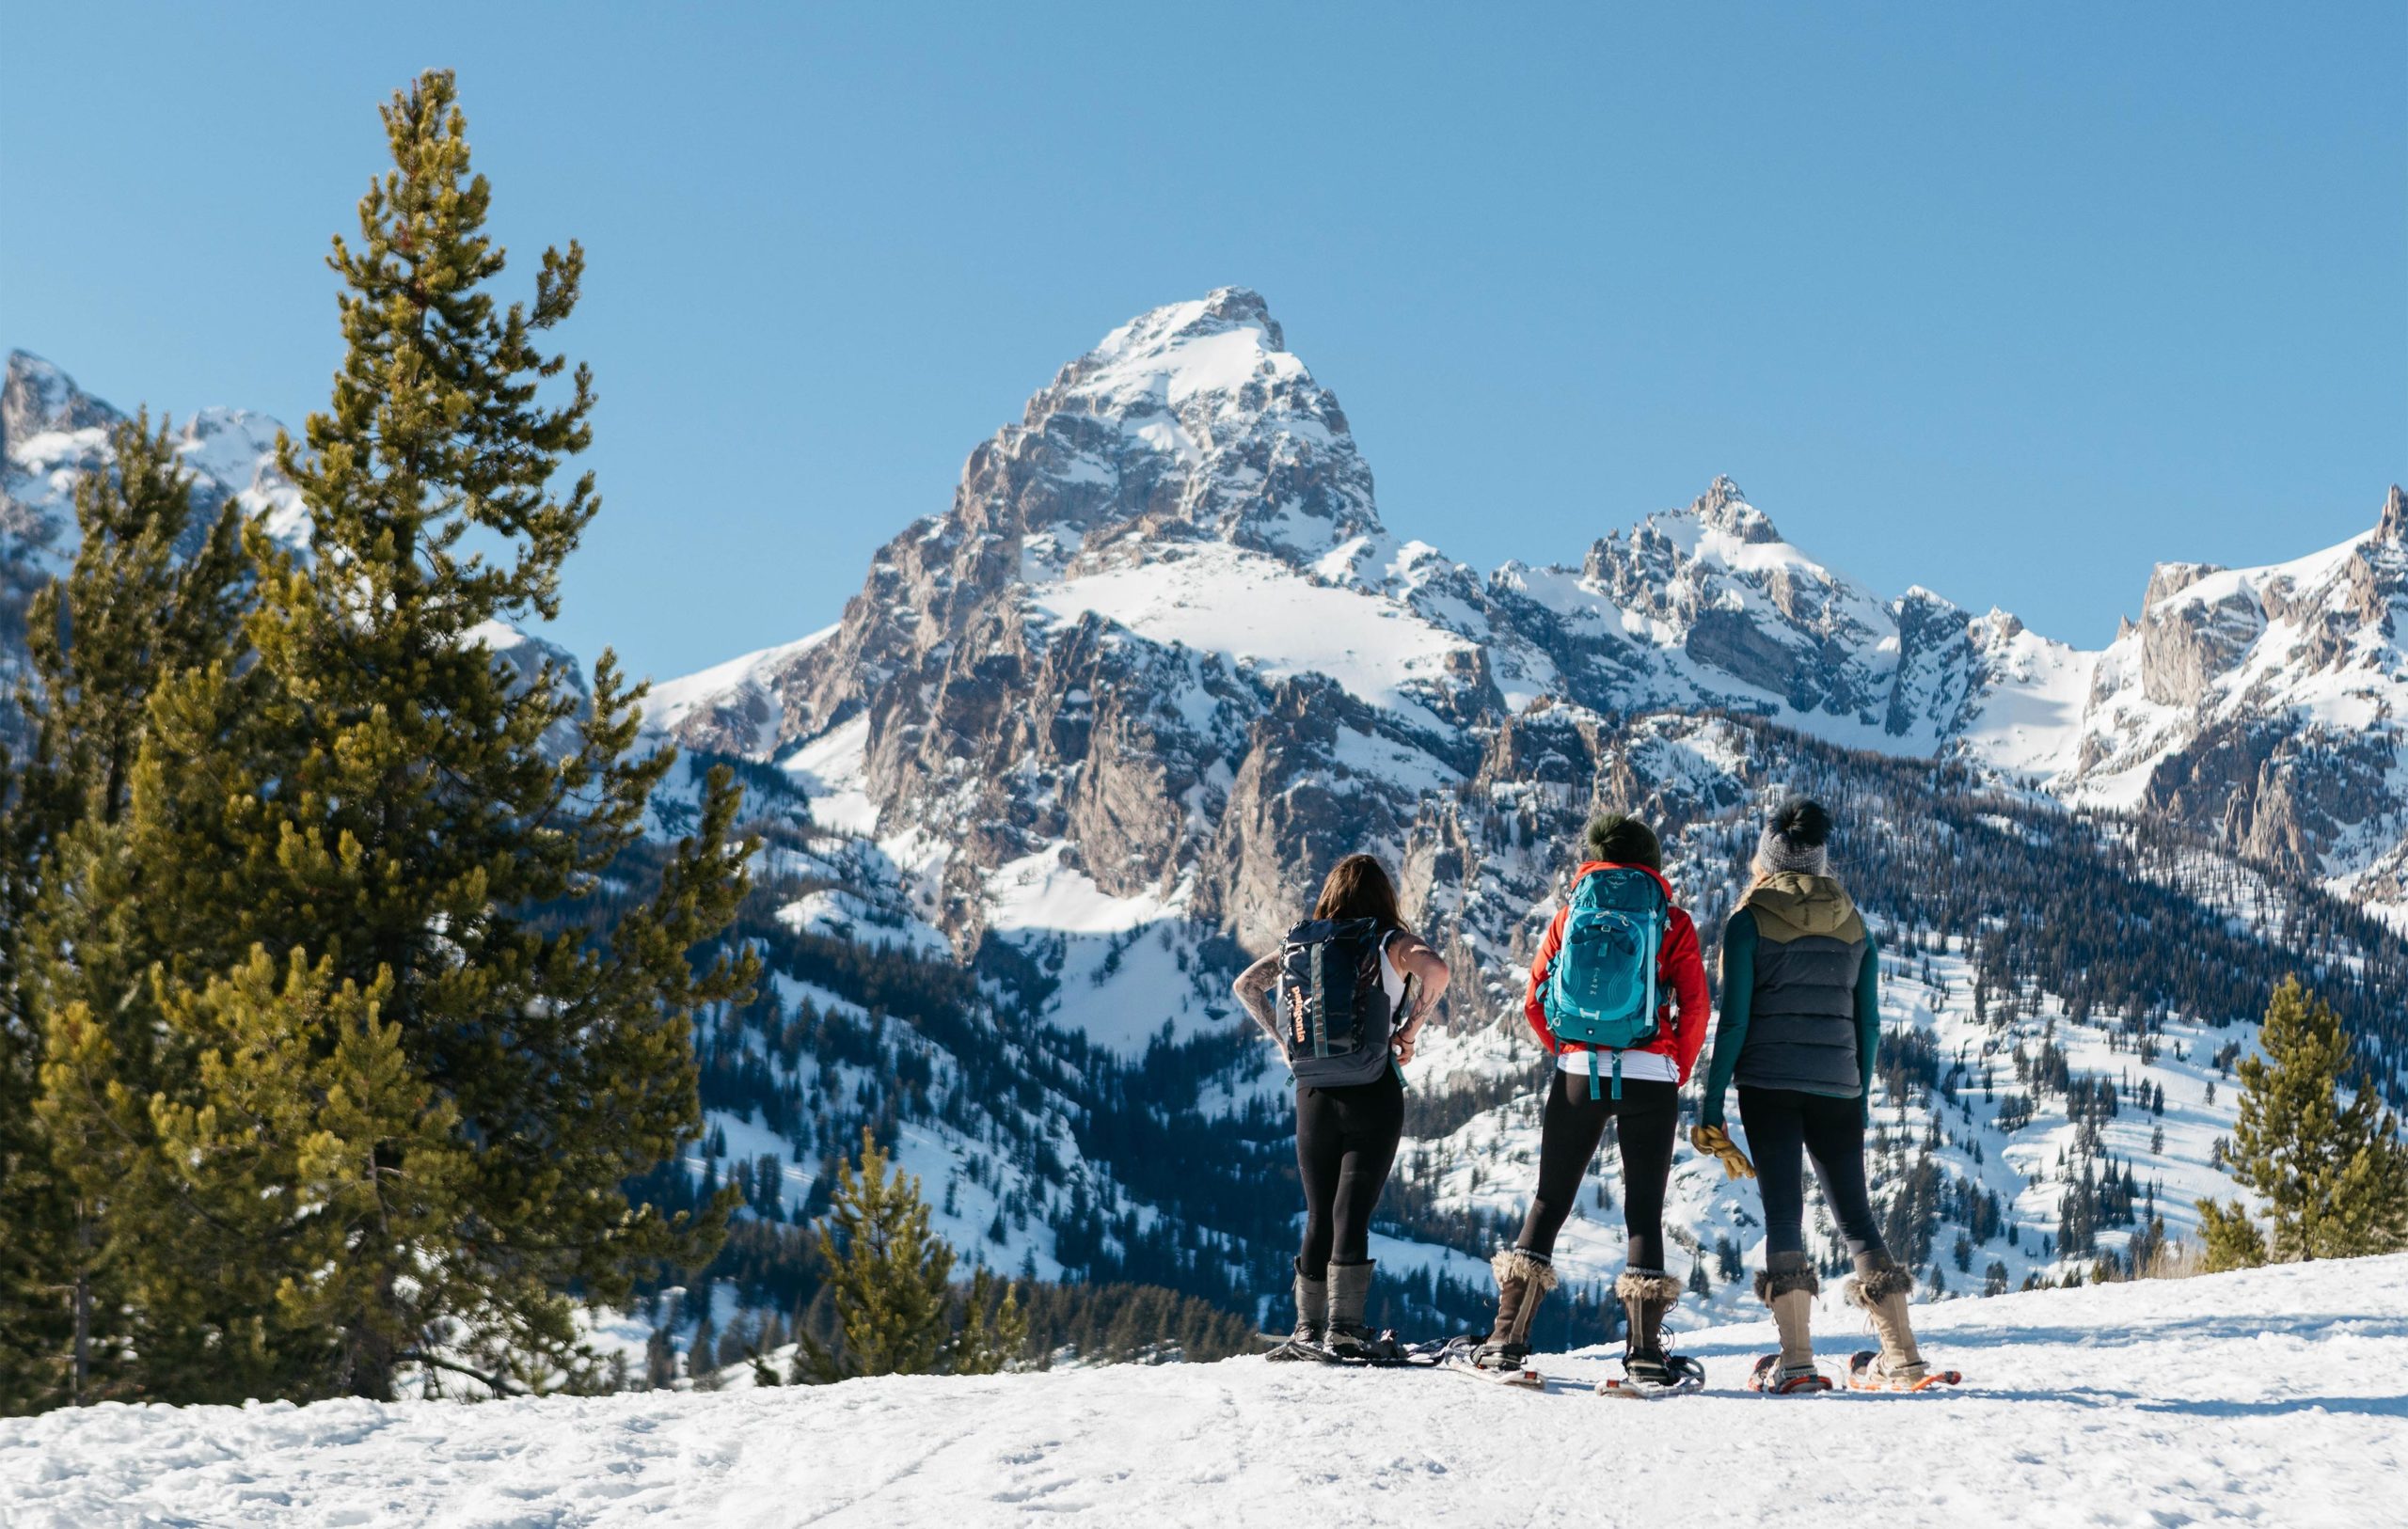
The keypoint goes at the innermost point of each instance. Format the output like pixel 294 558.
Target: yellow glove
pixel 1714 1142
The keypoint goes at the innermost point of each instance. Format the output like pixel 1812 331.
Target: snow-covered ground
pixel 2274 1396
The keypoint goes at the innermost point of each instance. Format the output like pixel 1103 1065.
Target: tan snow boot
pixel 1881 1287
pixel 1523 1280
pixel 1788 1284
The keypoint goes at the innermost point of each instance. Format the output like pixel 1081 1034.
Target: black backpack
pixel 1334 1015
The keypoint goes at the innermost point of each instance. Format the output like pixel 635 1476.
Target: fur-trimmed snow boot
pixel 1523 1280
pixel 1350 1292
pixel 1881 1288
pixel 1788 1284
pixel 1646 1295
pixel 1312 1319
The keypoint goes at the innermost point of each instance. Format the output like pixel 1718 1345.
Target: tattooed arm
pixel 1413 958
pixel 1253 989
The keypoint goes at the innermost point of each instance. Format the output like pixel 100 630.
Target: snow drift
pixel 2273 1395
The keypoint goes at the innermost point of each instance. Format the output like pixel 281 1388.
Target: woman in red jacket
pixel 1646 1101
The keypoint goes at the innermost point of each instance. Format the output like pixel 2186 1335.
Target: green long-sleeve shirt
pixel 1739 995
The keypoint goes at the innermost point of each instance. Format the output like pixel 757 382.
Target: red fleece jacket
pixel 1680 976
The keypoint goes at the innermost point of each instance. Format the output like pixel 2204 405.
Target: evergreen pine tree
pixel 128 612
pixel 993 1331
pixel 407 824
pixel 2333 1175
pixel 887 1272
pixel 2232 1240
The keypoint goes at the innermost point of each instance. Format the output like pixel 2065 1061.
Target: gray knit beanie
pixel 1797 839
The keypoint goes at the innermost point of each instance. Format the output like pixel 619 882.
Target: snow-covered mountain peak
pixel 51 432
pixel 37 396
pixel 1196 419
pixel 1216 341
pixel 1724 508
pixel 2393 524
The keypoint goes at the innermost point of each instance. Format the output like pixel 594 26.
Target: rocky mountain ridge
pixel 1162 625
pixel 53 432
pixel 1089 734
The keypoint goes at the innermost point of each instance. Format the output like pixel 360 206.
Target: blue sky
pixel 2010 302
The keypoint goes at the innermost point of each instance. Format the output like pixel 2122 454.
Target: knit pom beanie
pixel 1797 839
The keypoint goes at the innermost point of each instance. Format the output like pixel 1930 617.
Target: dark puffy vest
pixel 1801 1020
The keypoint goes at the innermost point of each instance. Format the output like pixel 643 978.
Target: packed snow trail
pixel 2278 1396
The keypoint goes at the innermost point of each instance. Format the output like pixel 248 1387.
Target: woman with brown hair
pixel 1344 999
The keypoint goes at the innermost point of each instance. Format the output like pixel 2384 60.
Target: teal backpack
pixel 1602 989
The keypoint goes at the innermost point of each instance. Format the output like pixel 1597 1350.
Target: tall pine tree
pixel 2333 1173
pixel 365 836
pixel 128 612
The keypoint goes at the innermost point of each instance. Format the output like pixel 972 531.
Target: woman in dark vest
pixel 1800 1018
pixel 1347 1133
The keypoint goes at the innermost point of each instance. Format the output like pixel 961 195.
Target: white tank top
pixel 1391 980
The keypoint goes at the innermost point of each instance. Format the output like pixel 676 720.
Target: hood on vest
pixel 1805 905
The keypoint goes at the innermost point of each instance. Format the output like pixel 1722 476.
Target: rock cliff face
pixel 2266 706
pixel 1162 643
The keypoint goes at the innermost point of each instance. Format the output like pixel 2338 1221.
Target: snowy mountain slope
pixel 2271 1396
pixel 2267 704
pixel 51 432
pixel 1086 738
pixel 1096 729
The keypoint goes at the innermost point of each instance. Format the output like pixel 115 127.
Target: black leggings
pixel 1345 1143
pixel 1570 1128
pixel 1785 1124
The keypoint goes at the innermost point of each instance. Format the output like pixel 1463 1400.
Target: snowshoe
pixel 1865 1374
pixel 1300 1349
pixel 1502 1365
pixel 1304 1343
pixel 1352 1345
pixel 1767 1380
pixel 1647 1377
pixel 1501 1356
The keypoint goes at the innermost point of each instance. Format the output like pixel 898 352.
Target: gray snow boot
pixel 1312 1319
pixel 1350 1292
pixel 1523 1280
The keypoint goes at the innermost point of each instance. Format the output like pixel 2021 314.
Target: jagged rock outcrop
pixel 1161 639
pixel 1162 635
pixel 2265 705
